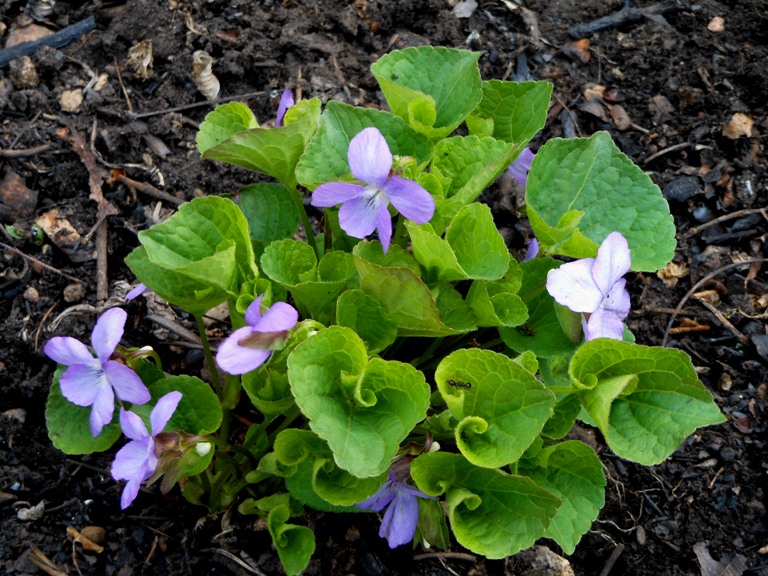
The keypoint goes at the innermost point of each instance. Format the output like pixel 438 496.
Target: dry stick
pixel 340 79
pixel 14 153
pixel 666 150
pixel 451 555
pixel 37 262
pixel 246 96
pixel 698 285
pixel 55 40
pixel 612 560
pixel 96 175
pixel 623 16
pixel 149 190
pixel 724 321
pixel 725 217
pixel 122 86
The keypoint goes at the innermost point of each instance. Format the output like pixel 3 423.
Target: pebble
pixel 74 292
pixel 31 295
pixel 71 100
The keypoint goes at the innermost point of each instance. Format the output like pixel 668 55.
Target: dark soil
pixel 679 84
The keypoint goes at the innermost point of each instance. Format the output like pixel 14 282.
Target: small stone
pixel 23 73
pixel 74 292
pixel 71 100
pixel 31 295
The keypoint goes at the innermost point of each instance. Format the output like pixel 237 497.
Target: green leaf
pixel 501 407
pixel 433 88
pixel 294 544
pixel 325 159
pixel 405 299
pixel 270 211
pixel 273 151
pixel 571 471
pixel 491 513
pixel 515 110
pixel 497 303
pixel 197 256
pixel 541 333
pixel 479 248
pixel 68 424
pixel 362 408
pixel 199 411
pixel 315 288
pixel 434 254
pixel 225 121
pixel 363 314
pixel 593 176
pixel 645 400
pixel 314 479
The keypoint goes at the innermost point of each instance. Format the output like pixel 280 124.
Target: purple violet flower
pixel 365 208
pixel 595 286
pixel 249 347
pixel 90 381
pixel 137 460
pixel 521 166
pixel 136 291
pixel 402 516
pixel 286 101
pixel 533 249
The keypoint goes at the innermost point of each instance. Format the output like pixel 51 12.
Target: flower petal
pixel 369 157
pixel 572 286
pixel 163 411
pixel 357 217
pixel 521 166
pixel 333 193
pixel 533 249
pixel 130 461
pixel 383 496
pixel 80 384
pixel 612 262
pixel 236 359
pixel 253 312
pixel 604 324
pixel 133 426
pixel 399 523
pixel 126 383
pixel 286 101
pixel 108 331
pixel 617 299
pixel 103 409
pixel 384 226
pixel 130 492
pixel 410 199
pixel 135 292
pixel 279 317
pixel 68 351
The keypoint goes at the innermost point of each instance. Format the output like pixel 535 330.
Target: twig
pixel 149 190
pixel 175 328
pixel 122 86
pixel 451 555
pixel 55 40
pixel 42 323
pixel 340 78
pixel 724 321
pixel 623 16
pixel 612 560
pixel 37 262
pixel 236 560
pixel 246 96
pixel 15 153
pixel 666 150
pixel 724 218
pixel 698 285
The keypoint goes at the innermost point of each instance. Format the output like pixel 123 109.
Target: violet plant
pixel 425 373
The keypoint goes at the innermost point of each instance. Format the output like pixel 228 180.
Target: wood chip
pixel 739 125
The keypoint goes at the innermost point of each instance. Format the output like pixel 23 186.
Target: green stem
pixel 401 233
pixel 209 357
pixel 299 201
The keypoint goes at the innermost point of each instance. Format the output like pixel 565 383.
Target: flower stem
pixel 209 357
pixel 306 224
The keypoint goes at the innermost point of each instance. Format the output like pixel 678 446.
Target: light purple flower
pixel 521 166
pixel 286 101
pixel 595 286
pixel 533 249
pixel 402 516
pixel 137 460
pixel 90 381
pixel 249 347
pixel 136 291
pixel 365 208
